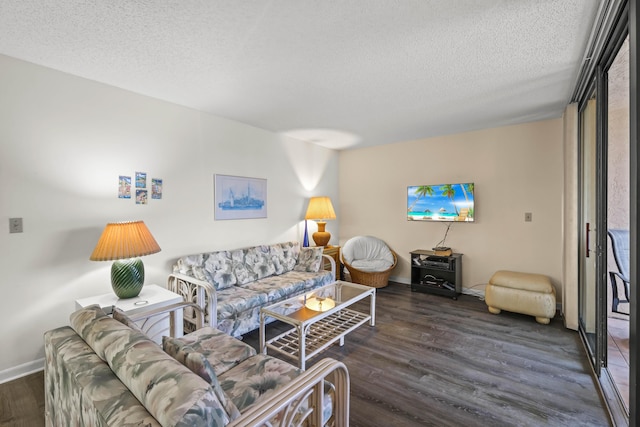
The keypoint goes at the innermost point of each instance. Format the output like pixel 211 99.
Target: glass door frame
pixel 634 174
pixel 596 348
pixel 623 18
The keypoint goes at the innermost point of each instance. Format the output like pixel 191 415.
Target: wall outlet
pixel 15 225
pixel 528 217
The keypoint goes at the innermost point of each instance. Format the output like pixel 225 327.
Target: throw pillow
pixel 199 365
pixel 185 264
pixel 121 317
pixel 310 259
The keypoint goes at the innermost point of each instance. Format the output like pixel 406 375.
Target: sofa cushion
pixel 221 350
pixel 238 299
pixel 310 259
pixel 276 288
pixel 168 390
pixel 213 267
pixel 224 269
pixel 258 377
pixel 96 328
pixel 284 256
pixel 186 264
pixel 258 260
pixel 218 269
pixel 240 269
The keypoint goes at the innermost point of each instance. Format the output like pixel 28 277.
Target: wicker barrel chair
pixel 369 260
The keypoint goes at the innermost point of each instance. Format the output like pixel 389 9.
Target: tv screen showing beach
pixel 445 202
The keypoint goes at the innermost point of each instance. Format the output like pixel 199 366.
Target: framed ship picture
pixel 237 197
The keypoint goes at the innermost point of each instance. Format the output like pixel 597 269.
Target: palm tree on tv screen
pixel 447 190
pixel 422 191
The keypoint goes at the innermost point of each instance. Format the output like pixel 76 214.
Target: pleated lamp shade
pixel 125 241
pixel 320 209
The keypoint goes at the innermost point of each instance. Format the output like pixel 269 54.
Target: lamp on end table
pixel 123 243
pixel 320 209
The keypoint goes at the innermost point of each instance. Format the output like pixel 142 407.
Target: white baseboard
pixel 402 280
pixel 21 370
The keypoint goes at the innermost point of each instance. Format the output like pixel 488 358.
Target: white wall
pixel 515 169
pixel 65 140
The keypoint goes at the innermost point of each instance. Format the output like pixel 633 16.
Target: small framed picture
pixel 124 187
pixel 141 197
pixel 141 180
pixel 156 188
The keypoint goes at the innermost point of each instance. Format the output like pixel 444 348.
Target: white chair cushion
pixel 367 253
pixel 373 265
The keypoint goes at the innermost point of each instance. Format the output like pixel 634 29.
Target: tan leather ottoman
pixel 524 293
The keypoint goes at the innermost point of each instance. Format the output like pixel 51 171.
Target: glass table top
pixel 318 301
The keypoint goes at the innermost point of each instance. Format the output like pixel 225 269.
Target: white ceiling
pixel 341 73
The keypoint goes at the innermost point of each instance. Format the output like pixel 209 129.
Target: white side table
pixel 151 297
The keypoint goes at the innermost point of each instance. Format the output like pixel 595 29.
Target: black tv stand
pixel 435 274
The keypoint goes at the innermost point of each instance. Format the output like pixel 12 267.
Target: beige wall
pixel 516 169
pixel 63 143
pixel 570 225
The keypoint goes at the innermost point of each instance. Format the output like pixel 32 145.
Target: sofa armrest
pixel 302 399
pixel 199 292
pixel 332 262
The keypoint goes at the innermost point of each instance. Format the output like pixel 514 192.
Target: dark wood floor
pixel 22 402
pixel 432 361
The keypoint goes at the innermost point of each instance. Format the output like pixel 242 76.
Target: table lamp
pixel 320 209
pixel 124 242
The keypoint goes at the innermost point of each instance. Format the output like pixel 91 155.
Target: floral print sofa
pixel 101 372
pixel 235 284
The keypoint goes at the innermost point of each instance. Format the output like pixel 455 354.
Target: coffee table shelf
pixel 314 331
pixel 320 335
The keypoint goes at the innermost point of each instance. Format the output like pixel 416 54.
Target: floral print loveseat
pixel 235 284
pixel 101 372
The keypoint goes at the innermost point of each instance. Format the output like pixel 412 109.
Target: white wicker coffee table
pixel 319 318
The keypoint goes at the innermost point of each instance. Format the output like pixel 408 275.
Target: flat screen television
pixel 441 203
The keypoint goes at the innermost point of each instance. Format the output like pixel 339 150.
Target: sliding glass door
pixel 590 250
pixel 602 94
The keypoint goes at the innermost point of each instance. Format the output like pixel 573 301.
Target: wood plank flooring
pixel 432 361
pixel 22 402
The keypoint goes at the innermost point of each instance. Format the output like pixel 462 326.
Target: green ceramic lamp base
pixel 127 277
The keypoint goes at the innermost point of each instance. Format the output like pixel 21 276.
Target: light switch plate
pixel 15 225
pixel 528 217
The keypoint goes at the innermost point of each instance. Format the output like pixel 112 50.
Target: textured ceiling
pixel 343 74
